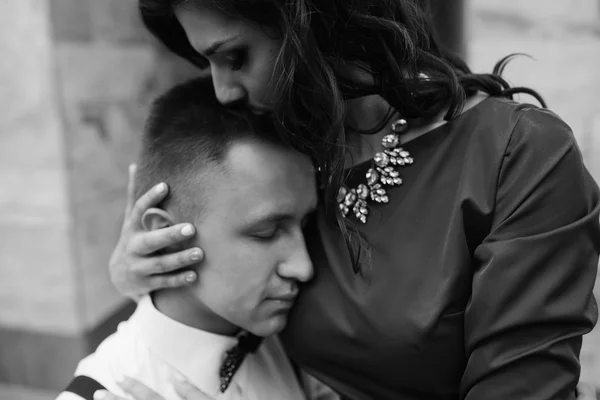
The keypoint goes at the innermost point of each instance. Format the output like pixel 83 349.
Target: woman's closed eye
pixel 235 59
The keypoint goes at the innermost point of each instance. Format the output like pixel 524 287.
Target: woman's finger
pixel 169 263
pixel 148 200
pixel 130 189
pixel 106 395
pixel 183 278
pixel 138 390
pixel 187 391
pixel 146 243
pixel 586 391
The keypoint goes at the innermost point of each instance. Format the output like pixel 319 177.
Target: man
pixel 249 196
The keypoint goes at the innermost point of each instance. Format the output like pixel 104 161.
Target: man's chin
pixel 271 326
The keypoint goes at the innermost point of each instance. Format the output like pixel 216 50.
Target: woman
pixel 457 240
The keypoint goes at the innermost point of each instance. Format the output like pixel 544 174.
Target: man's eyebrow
pixel 268 217
pixel 277 216
pixel 213 48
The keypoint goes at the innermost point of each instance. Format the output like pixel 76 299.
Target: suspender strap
pixel 84 387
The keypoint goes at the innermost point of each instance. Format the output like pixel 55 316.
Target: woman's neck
pixel 366 112
pixel 363 114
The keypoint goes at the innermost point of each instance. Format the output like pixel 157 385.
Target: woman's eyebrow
pixel 213 48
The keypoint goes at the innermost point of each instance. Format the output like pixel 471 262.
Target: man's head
pixel 248 196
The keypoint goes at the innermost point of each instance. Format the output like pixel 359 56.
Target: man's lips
pixel 286 297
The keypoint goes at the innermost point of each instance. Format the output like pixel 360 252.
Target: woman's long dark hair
pixel 392 40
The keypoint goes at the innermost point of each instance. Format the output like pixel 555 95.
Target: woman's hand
pixel 139 391
pixel 136 268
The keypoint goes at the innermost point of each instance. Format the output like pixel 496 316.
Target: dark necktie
pixel 247 343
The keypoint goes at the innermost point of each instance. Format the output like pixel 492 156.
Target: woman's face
pixel 241 55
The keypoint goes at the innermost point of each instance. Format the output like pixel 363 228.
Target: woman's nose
pixel 228 90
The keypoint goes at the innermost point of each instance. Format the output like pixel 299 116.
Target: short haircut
pixel 187 135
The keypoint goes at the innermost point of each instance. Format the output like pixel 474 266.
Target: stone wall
pixel 76 78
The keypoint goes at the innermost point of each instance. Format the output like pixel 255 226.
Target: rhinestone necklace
pixel 383 173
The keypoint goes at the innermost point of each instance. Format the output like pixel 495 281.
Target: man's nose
pixel 299 266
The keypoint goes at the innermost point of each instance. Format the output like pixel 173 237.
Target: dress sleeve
pixel 533 275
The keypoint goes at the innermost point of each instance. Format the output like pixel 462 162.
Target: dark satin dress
pixel 481 275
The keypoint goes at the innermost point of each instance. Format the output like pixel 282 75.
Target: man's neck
pixel 181 305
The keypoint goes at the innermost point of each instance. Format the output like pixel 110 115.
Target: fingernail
pixel 161 187
pixel 100 394
pixel 196 255
pixel 187 230
pixel 190 277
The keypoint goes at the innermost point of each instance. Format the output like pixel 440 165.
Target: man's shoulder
pixel 117 355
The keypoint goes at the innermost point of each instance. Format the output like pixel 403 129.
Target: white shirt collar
pixel 195 353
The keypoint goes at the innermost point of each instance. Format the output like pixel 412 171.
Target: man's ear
pixel 155 218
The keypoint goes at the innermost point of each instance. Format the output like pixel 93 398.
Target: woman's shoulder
pixel 507 124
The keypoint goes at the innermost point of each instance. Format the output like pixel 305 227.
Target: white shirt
pixel 150 345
